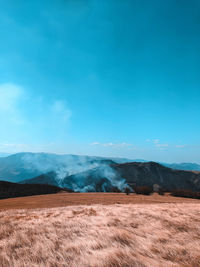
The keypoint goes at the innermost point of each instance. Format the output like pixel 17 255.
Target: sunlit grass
pixel 102 236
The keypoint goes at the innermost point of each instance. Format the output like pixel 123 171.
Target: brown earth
pixel 71 199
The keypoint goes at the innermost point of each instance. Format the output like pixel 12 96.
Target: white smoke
pixel 66 165
pixel 63 165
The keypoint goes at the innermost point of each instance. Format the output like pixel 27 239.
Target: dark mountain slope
pixel 47 178
pixel 150 173
pixel 9 190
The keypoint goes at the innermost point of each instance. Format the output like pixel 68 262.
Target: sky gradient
pixel 108 78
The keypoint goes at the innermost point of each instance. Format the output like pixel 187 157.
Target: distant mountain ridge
pixel 21 166
pixel 183 166
pixel 133 174
pixel 87 173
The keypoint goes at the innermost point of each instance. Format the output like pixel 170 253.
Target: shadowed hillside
pixel 10 190
pixel 150 173
pixel 47 178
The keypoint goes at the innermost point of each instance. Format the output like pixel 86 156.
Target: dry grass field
pixel 68 199
pixel 129 235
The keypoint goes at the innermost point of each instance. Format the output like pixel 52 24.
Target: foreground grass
pixel 102 236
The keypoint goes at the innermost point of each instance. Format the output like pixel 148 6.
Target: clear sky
pixel 101 77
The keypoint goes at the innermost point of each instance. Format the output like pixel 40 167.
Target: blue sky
pixel 109 78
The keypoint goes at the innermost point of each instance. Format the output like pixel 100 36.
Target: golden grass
pixel 153 235
pixel 69 199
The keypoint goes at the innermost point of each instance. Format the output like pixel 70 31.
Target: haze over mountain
pixel 21 166
pixel 133 174
pixel 85 173
pixel 184 166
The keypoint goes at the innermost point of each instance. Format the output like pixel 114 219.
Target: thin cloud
pixel 113 145
pixel 95 143
pixel 179 146
pixel 162 145
pixel 156 143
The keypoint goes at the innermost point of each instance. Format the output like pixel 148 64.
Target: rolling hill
pixel 10 190
pixel 49 178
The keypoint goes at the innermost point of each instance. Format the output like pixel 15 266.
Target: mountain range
pixel 21 166
pixel 97 174
pixel 122 175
